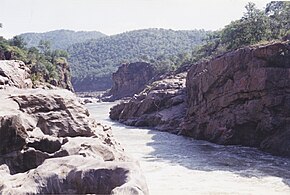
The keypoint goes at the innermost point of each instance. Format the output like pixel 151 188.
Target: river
pixel 180 165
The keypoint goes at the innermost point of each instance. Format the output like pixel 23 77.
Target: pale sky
pixel 117 16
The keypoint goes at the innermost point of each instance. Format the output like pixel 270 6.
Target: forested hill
pixel 94 61
pixel 60 39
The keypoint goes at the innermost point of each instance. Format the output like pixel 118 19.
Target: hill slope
pixel 94 61
pixel 60 39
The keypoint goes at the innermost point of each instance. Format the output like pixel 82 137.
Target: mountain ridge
pixel 60 39
pixel 99 58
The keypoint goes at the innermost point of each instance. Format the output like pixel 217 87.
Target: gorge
pixel 240 97
pixel 144 111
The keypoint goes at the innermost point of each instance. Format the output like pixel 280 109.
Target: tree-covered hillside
pixel 99 58
pixel 60 39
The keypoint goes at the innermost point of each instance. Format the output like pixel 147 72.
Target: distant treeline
pixel 166 49
pixel 60 39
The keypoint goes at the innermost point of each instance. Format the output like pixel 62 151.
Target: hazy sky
pixel 116 16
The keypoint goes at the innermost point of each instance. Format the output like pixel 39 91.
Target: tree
pixel 44 47
pixel 18 42
pixel 257 24
pixel 57 54
pixel 279 15
pixel 251 28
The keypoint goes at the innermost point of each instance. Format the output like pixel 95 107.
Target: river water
pixel 179 165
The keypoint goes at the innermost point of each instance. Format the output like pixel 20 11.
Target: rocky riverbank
pixel 49 144
pixel 240 97
pixel 160 105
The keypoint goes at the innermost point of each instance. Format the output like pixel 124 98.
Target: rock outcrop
pixel 131 79
pixel 161 105
pixel 14 73
pixel 64 73
pixel 48 144
pixel 242 97
pixel 62 80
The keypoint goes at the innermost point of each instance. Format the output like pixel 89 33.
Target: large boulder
pixel 49 144
pixel 131 79
pixel 75 175
pixel 243 98
pixel 161 105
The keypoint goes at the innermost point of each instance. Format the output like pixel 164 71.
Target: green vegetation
pixel 100 58
pixel 95 56
pixel 256 26
pixel 42 61
pixel 60 39
pixel 10 50
pixel 168 49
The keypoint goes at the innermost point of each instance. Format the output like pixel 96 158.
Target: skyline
pixel 116 16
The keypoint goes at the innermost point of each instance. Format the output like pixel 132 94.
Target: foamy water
pixel 179 165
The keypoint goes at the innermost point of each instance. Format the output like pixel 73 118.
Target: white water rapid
pixel 179 165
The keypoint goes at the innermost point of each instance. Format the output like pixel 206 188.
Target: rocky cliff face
pixel 49 144
pixel 242 98
pixel 160 105
pixel 62 80
pixel 131 79
pixel 64 73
